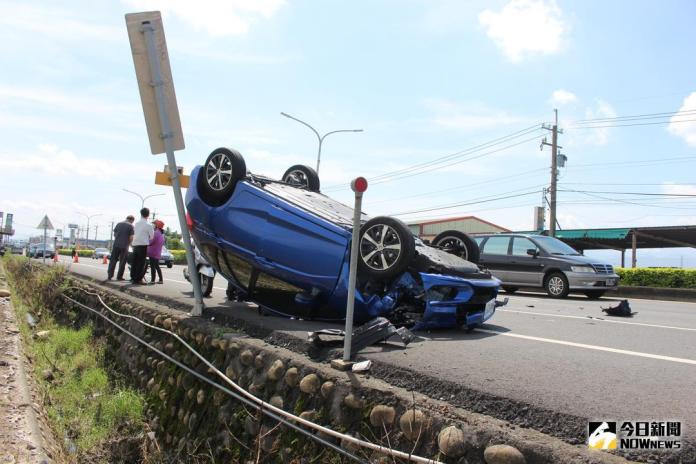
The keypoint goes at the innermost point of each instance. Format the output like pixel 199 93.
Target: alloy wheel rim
pixel 218 172
pixel 297 178
pixel 380 247
pixel 556 285
pixel 449 243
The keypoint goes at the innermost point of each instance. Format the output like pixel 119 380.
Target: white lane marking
pixel 591 347
pixel 539 297
pixel 585 318
pixel 169 279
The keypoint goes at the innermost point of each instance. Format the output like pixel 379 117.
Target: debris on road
pixel 362 366
pixel 376 330
pixel 623 309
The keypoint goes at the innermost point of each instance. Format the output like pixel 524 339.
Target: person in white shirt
pixel 141 239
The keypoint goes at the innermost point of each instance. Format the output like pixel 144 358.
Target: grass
pixel 83 403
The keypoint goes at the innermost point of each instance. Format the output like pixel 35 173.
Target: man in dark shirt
pixel 123 236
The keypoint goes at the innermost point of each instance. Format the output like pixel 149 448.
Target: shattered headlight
pixel 588 269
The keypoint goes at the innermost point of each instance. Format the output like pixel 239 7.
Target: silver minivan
pixel 539 261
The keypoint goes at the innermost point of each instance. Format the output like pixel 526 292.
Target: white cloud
pixel 678 189
pixel 55 23
pixel 55 161
pixel 215 17
pixel 685 130
pixel 467 117
pixel 525 27
pixel 562 97
pixel 602 109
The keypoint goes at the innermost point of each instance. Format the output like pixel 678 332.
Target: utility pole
pixel 111 235
pixel 554 169
pixel 96 231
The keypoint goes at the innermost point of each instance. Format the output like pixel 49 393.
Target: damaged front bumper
pixel 446 301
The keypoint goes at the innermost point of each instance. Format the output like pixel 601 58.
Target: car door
pixel 495 256
pixel 525 269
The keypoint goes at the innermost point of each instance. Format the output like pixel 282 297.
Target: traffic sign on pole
pixel 46 225
pixel 148 84
pixel 154 74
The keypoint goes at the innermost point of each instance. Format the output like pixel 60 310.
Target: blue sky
pixel 424 79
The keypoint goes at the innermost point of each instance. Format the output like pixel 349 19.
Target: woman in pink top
pixel 154 251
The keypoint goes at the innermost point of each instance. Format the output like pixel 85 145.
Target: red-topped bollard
pixel 359 186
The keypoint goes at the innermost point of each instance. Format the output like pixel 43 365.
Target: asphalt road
pixel 564 356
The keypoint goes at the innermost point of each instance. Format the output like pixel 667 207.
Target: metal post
pixel 358 185
pixel 554 176
pixel 87 236
pixel 623 258
pixel 634 245
pixel 321 140
pixel 43 255
pixel 148 30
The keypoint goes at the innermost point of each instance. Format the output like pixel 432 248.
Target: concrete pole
pixel 634 246
pixel 554 176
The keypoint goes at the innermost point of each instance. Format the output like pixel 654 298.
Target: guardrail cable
pixel 266 408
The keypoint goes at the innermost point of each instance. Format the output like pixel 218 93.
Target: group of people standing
pixel 147 241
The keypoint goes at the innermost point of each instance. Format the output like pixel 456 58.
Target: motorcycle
pixel 206 273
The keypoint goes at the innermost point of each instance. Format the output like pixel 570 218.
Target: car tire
pixel 510 289
pixel 302 176
pixel 595 294
pixel 459 244
pixel 206 284
pixel 169 264
pixel 218 176
pixel 556 285
pixel 386 247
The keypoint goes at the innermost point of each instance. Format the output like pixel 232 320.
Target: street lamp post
pixel 319 137
pixel 143 198
pixel 88 219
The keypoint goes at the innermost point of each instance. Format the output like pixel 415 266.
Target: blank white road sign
pixel 147 92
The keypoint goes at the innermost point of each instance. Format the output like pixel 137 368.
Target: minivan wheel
pixel 218 176
pixel 386 247
pixel 556 285
pixel 302 176
pixel 459 244
pixel 594 294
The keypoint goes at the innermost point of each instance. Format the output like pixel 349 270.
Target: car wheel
pixel 206 284
pixel 302 176
pixel 169 264
pixel 594 294
pixel 458 243
pixel 556 285
pixel 386 247
pixel 218 176
pixel 510 289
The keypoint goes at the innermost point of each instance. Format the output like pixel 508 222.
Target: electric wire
pixel 437 163
pixel 633 193
pixel 266 408
pixel 632 124
pixel 423 210
pixel 663 114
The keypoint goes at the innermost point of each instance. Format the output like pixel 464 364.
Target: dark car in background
pixel 166 257
pixel 285 246
pixel 539 261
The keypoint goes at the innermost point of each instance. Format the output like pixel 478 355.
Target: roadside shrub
pixel 80 253
pixel 663 277
pixel 179 256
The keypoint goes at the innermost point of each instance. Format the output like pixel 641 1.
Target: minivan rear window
pixel 496 245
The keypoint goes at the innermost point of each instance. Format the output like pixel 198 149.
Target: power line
pixel 635 193
pixel 666 183
pixel 637 163
pixel 456 205
pixel 407 171
pixel 663 114
pixel 634 124
pixel 616 200
pixel 471 186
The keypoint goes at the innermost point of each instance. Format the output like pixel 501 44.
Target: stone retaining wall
pixel 191 417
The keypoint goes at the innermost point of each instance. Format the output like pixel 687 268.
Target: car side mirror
pixel 532 252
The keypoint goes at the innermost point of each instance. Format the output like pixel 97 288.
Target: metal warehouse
pixel 427 230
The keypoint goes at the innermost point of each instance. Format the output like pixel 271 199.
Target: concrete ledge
pixel 656 293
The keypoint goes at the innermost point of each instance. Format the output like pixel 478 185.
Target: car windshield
pixel 555 247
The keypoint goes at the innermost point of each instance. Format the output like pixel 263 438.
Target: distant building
pixel 427 230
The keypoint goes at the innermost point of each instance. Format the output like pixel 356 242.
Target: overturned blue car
pixel 285 246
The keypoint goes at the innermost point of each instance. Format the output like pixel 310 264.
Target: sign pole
pixel 43 255
pixel 166 135
pixel 358 185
